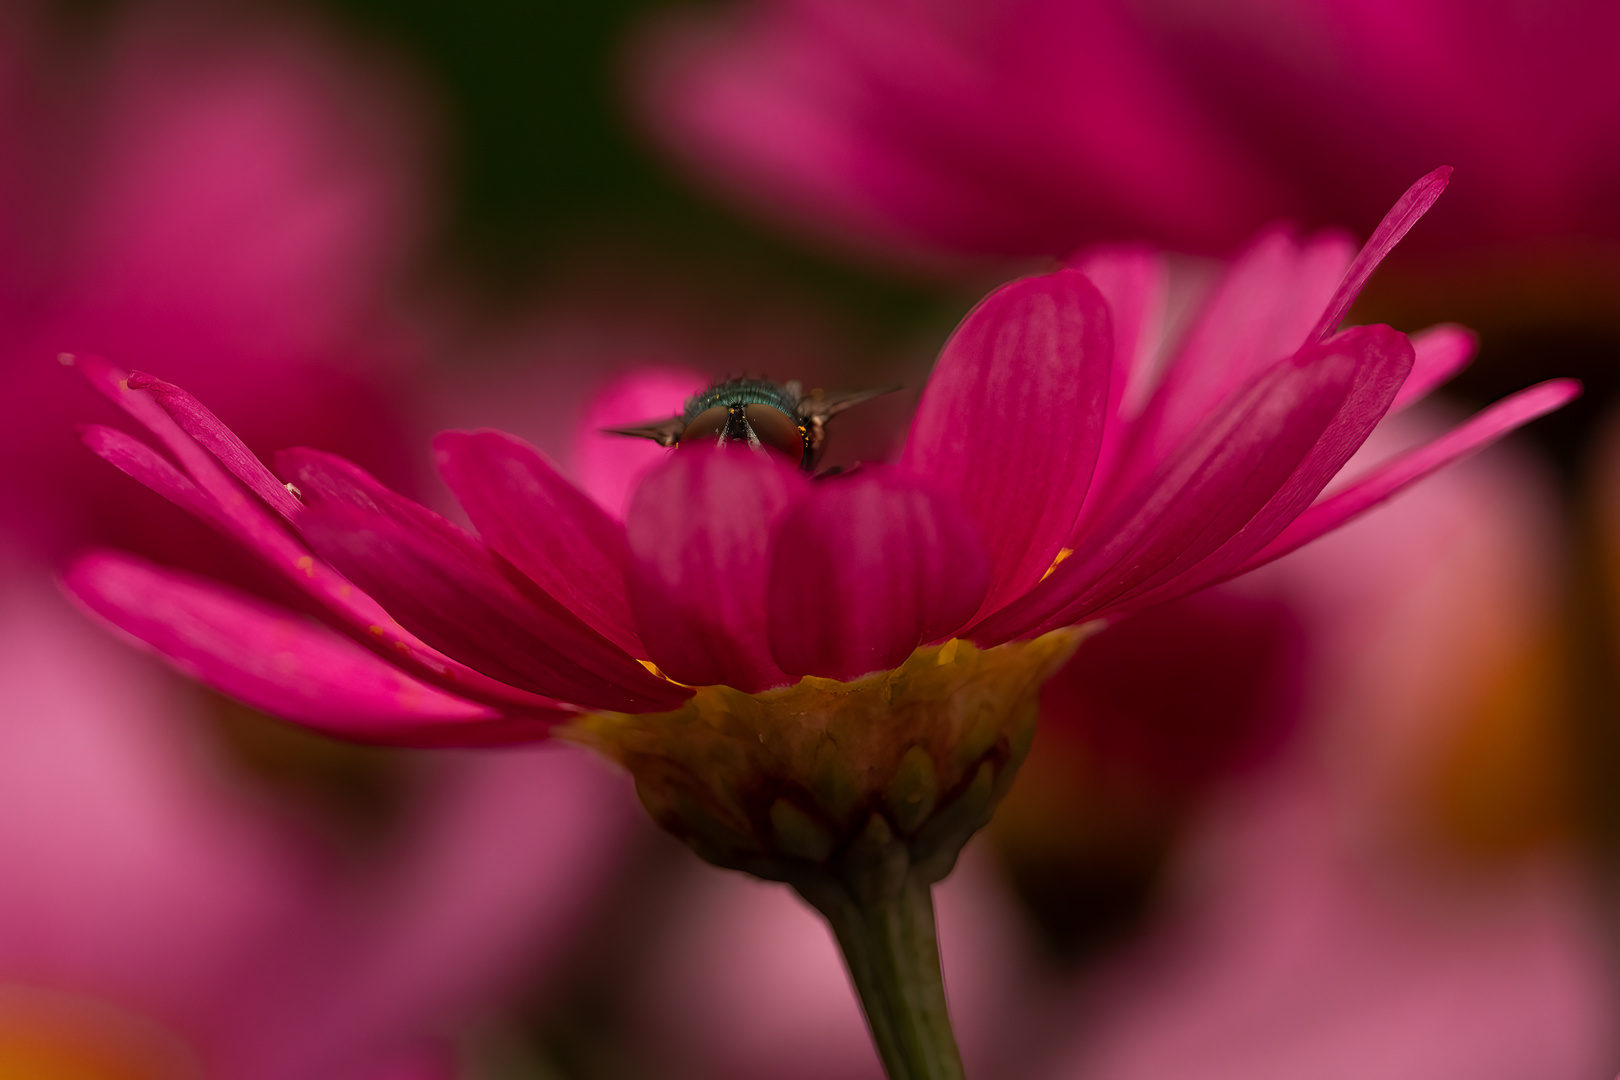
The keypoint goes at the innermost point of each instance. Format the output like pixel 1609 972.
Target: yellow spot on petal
pixel 306 563
pixel 375 629
pixel 656 670
pixel 947 651
pixel 1061 555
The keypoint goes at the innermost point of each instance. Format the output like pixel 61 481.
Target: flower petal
pixel 196 420
pixel 700 529
pixel 1382 359
pixel 1257 313
pixel 272 659
pixel 1411 206
pixel 1440 352
pixel 135 459
pixel 459 596
pixel 1196 501
pixel 1135 281
pixel 867 568
pixel 1012 418
pixel 1396 475
pixel 543 525
pixel 450 591
pixel 609 467
pixel 222 502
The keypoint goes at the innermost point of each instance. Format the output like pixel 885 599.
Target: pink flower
pixel 1032 126
pixel 1051 477
pixel 228 196
pixel 158 921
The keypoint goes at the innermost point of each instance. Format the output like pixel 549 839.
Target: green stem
pixel 889 943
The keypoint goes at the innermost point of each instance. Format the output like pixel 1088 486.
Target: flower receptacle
pixel 796 780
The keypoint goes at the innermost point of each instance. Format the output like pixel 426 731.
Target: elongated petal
pixel 543 525
pixel 1136 283
pixel 272 659
pixel 609 468
pixel 1196 501
pixel 1411 206
pixel 1382 359
pixel 1012 419
pixel 227 506
pixel 1439 353
pixel 866 569
pixel 452 594
pixel 135 459
pixel 700 529
pixel 1400 473
pixel 235 510
pixel 325 479
pixel 196 420
pixel 1259 311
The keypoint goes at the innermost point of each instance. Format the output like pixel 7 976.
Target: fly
pixel 758 413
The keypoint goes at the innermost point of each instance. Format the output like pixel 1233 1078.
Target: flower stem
pixel 888 939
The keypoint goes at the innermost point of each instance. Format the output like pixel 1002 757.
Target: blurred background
pixel 1357 815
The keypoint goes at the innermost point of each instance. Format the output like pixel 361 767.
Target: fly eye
pixel 707 425
pixel 776 429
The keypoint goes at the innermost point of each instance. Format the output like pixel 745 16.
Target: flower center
pixel 47 1035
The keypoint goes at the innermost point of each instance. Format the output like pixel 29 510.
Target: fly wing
pixel 820 405
pixel 663 432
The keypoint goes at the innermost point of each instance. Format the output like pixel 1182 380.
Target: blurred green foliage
pixel 544 159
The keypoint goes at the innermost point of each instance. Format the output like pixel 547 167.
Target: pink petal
pixel 229 508
pixel 1012 418
pixel 609 467
pixel 196 420
pixel 272 659
pixel 450 591
pixel 113 383
pixel 323 478
pixel 545 526
pixel 1196 501
pixel 135 459
pixel 1394 476
pixel 1441 351
pixel 1136 283
pixel 700 529
pixel 1259 312
pixel 867 568
pixel 1382 360
pixel 1396 224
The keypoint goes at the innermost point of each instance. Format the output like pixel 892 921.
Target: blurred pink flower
pixel 1300 959
pixel 146 893
pixel 226 195
pixel 1020 127
pixel 1389 897
pixel 1050 477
